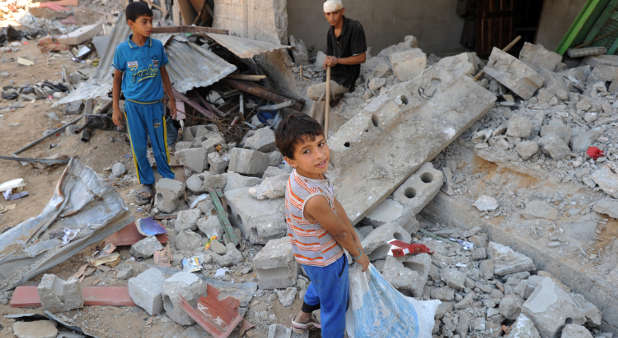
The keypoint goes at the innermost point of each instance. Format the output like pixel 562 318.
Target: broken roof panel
pixel 193 66
pixel 245 48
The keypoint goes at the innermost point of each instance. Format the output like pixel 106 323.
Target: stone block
pixel 275 158
pixel 182 145
pixel 607 180
pixel 262 140
pixel 523 327
pixel 186 285
pixel 538 56
pixel 453 278
pixel 247 161
pixel 207 137
pixel 389 211
pixel 193 158
pixel 145 290
pixel 169 194
pixel 408 273
pixel 519 126
pixel 206 181
pixel 146 247
pixel 374 145
pixel 217 162
pixel 35 329
pixel 80 35
pixel 259 221
pixel 526 149
pixel 549 307
pixel 408 64
pixel 210 226
pixel 409 42
pixel 236 181
pixel 507 261
pixel 581 140
pixel 189 241
pixel 275 265
pixel 555 147
pixel 375 243
pixel 58 295
pixel 287 296
pixel 590 311
pixel 513 74
pixel 510 306
pixel 187 219
pixel 442 293
pixel 231 257
pixel 272 171
pixel 575 331
pixel 270 188
pixel 607 206
pixel 420 188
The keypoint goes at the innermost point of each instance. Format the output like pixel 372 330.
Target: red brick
pixel 27 296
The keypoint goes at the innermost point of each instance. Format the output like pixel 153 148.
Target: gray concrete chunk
pixel 523 328
pixel 513 74
pixel 607 180
pixel 186 285
pixel 538 56
pixel 35 329
pixel 193 158
pixel 408 64
pixel 187 219
pixel 217 162
pixel 259 221
pixel 145 290
pixel 247 161
pixel 169 194
pixel 575 331
pixel 418 190
pixel 375 243
pixel 275 265
pixel 206 181
pixel 262 140
pixel 146 247
pixel 58 295
pixel 507 261
pixel 453 278
pixel 271 187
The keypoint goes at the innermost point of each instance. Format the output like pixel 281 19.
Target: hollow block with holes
pixel 418 190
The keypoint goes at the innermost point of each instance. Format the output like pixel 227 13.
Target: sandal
pixel 143 195
pixel 300 327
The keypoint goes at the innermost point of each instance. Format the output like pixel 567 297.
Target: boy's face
pixel 335 17
pixel 311 156
pixel 141 26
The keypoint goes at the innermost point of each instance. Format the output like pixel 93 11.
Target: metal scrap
pixel 243 47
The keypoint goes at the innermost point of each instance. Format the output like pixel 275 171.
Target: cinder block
pixel 194 159
pixel 259 220
pixel 205 181
pixel 169 194
pixel 184 284
pixel 275 265
pixel 207 137
pixel 262 140
pixel 58 295
pixel 145 290
pixel 248 162
pixel 513 74
pixel 418 190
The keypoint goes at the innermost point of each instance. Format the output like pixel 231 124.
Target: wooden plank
pixel 247 77
pixel 188 29
pixel 230 235
pixel 186 11
pixel 175 15
pixel 207 113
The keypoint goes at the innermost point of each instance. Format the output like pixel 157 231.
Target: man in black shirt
pixel 346 50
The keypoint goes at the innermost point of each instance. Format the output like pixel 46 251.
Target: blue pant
pixel 148 121
pixel 329 291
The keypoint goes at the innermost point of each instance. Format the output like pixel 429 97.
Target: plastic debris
pixel 221 272
pixel 149 227
pixel 191 264
pixel 69 235
pixel 594 152
pixel 401 248
pixel 465 244
pixel 209 243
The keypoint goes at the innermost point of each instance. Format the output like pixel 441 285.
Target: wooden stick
pixel 327 102
pixel 505 49
pixel 247 77
pixel 57 130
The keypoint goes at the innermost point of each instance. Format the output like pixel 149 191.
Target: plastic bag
pixel 379 310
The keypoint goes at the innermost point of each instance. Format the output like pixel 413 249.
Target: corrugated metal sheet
pixel 244 48
pixel 192 66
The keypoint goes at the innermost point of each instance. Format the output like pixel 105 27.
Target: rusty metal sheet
pixel 245 48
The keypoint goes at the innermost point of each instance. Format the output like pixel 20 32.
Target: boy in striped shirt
pixel 318 227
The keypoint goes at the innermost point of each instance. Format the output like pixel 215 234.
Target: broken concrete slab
pixel 187 219
pixel 236 181
pixel 549 307
pixel 555 146
pixel 420 188
pixel 375 244
pixel 58 295
pixel 35 329
pixel 207 136
pixel 408 64
pixel 397 273
pixel 185 285
pixel 510 306
pixel 146 247
pixel 523 328
pixel 519 126
pixel 259 221
pixel 262 140
pixel 169 194
pixel 275 265
pixel 540 209
pixel 538 56
pixel 231 257
pixel 589 311
pixel 409 41
pixel 145 290
pixel 373 146
pixel 389 211
pixel 217 162
pixel 210 226
pixel 248 162
pixel 607 206
pixel 194 159
pixel 607 180
pixel 189 241
pixel 513 74
pixel 453 278
pixel 526 149
pixel 271 187
pixel 575 331
pixel 80 35
pixel 206 181
pixel 507 261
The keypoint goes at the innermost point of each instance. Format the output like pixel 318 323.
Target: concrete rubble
pixel 145 290
pixel 58 295
pixel 275 265
pixel 185 285
pixel 513 74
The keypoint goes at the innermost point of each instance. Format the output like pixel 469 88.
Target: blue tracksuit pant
pixel 148 121
pixel 329 291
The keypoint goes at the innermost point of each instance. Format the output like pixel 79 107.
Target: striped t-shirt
pixel 311 244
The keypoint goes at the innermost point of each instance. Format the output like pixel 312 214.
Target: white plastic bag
pixel 379 310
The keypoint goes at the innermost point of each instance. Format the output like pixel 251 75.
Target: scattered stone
pixel 262 140
pixel 287 296
pixel 523 328
pixel 513 74
pixel 479 254
pixel 259 221
pixel 248 162
pixel 549 307
pixel 519 126
pixel 146 247
pixel 557 128
pixel 408 64
pixel 145 290
pixel 454 278
pixel 555 147
pixel 208 137
pixel 217 162
pixel 169 194
pixel 420 188
pixel 607 180
pixel 443 293
pixel 271 187
pixel 237 181
pixel 540 209
pixel 538 56
pixel 486 203
pixel 210 226
pixel 73 108
pixel 386 212
pixel 118 169
pixel 583 139
pixel 189 241
pixel 231 257
pixel 526 149
pixel 35 329
pixel 408 273
pixel 218 248
pixel 575 331
pixel 186 285
pixel 279 331
pixel 375 243
pixel 506 261
pixel 206 181
pixel 510 306
pixel 58 295
pixel 194 159
pixel 590 311
pixel 124 271
pixel 275 265
pixel 187 219
pixel 376 83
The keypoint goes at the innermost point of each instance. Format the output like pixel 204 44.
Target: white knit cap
pixel 332 6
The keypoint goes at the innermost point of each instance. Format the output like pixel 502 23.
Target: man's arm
pixel 332 61
pixel 167 87
pixel 116 114
pixel 319 209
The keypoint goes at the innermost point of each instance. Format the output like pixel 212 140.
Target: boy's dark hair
pixel 136 9
pixel 292 129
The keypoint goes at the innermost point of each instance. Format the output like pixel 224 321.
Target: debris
pixel 287 296
pixel 24 62
pixel 218 317
pixel 508 261
pixel 538 56
pixel 270 188
pixel 149 227
pixel 400 248
pixel 57 295
pixel 53 132
pixel 181 288
pixel 191 264
pixel 607 180
pixel 486 203
pixel 262 92
pixel 230 235
pixel 540 209
pixel 607 206
pixel 80 35
pixel 69 235
pixel 82 195
pixel 169 194
pixel 35 329
pixel 594 152
pixel 418 190
pixel 523 327
pixel 129 235
pixel 275 265
pixel 146 247
pixel 376 243
pixel 513 74
pixel 187 219
pixel 587 51
pixel 408 64
pixel 145 290
pixel 118 169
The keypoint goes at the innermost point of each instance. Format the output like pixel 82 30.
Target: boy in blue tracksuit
pixel 139 70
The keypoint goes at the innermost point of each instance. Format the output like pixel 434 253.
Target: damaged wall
pixel 434 23
pixel 556 18
pixel 265 20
